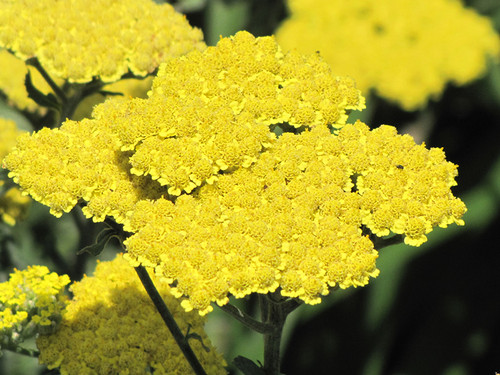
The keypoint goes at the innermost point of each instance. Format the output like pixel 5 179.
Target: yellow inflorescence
pixel 111 326
pixel 33 294
pixel 179 141
pixel 78 40
pixel 407 50
pixel 293 219
pixel 13 205
pixel 216 202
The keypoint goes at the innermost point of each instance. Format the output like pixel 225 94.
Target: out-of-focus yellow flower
pixel 13 205
pixel 111 326
pixel 12 74
pixel 31 301
pixel 78 40
pixel 406 50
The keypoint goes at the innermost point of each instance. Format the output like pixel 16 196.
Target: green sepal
pixel 247 366
pixel 100 242
pixel 45 100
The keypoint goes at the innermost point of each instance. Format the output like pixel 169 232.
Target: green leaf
pixel 45 100
pixel 100 243
pixel 247 366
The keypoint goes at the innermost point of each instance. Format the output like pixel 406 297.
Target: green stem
pixel 275 316
pixel 57 90
pixel 246 319
pixel 169 320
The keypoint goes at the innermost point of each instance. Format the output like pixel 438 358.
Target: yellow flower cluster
pixel 79 161
pixel 293 219
pixel 77 40
pixel 407 50
pixel 31 301
pixel 196 123
pixel 216 202
pixel 13 205
pixel 112 327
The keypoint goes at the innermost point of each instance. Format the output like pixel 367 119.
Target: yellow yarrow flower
pixel 294 219
pixel 78 40
pixel 13 204
pixel 31 301
pixel 218 204
pixel 111 326
pixel 406 50
pixel 177 140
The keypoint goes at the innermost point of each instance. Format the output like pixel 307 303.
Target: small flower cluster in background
pixel 111 326
pixel 79 40
pixel 406 50
pixel 13 205
pixel 31 302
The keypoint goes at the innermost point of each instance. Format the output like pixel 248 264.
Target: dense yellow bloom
pixel 293 219
pixel 31 301
pixel 112 327
pixel 77 40
pixel 176 141
pixel 407 50
pixel 13 205
pixel 217 203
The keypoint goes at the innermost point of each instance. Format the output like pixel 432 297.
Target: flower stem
pixel 246 319
pixel 33 61
pixel 274 310
pixel 169 320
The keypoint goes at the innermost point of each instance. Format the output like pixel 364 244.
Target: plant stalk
pixel 169 320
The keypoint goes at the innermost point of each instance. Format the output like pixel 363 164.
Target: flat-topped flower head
pixel 406 50
pixel 196 123
pixel 294 220
pixel 111 326
pixel 216 202
pixel 78 40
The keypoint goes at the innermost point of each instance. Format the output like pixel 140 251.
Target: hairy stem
pixel 169 320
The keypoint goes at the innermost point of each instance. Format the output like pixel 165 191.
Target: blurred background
pixel 434 309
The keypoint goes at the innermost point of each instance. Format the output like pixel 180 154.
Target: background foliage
pixel 433 309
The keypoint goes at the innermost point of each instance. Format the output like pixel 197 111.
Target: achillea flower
pixel 111 326
pixel 13 205
pixel 217 203
pixel 406 50
pixel 293 219
pixel 196 122
pixel 78 40
pixel 31 301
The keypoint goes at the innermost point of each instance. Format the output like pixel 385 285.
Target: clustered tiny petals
pixel 32 301
pixel 293 219
pixel 217 203
pixel 406 50
pixel 111 325
pixel 96 38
